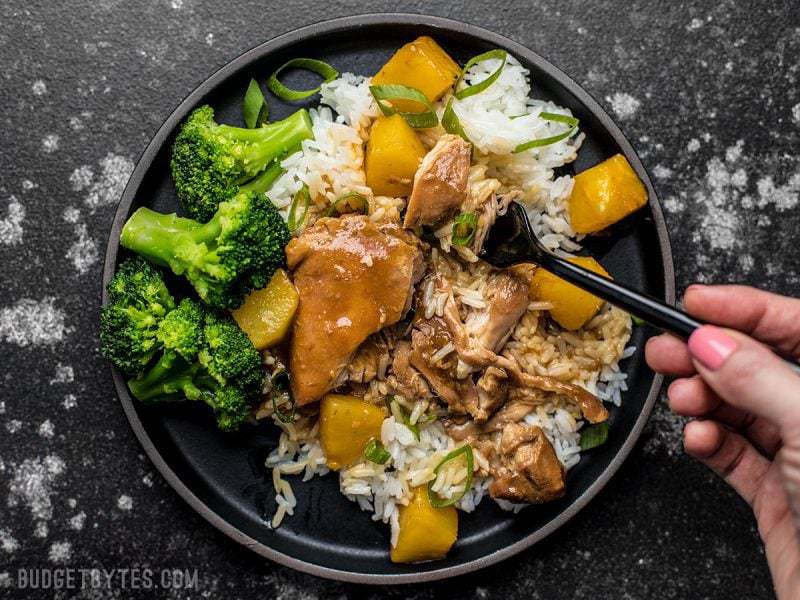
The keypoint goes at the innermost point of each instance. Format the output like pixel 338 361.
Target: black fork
pixel 512 241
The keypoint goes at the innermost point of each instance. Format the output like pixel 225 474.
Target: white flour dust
pixel 11 231
pixel 31 322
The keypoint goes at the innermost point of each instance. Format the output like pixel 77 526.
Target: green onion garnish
pixel 387 93
pixel 280 388
pixel 637 321
pixel 350 202
pixel 451 123
pixel 471 90
pixel 594 435
pixel 255 109
pixel 375 452
pixel 571 121
pixel 321 68
pixel 293 221
pixel 434 498
pixel 464 227
pixel 397 410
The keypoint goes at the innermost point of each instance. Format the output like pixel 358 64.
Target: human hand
pixel 746 402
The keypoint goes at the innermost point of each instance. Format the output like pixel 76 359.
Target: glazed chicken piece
pixel 506 302
pixel 525 466
pixel 440 183
pixel 353 279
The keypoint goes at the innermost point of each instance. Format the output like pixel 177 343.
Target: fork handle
pixel 654 311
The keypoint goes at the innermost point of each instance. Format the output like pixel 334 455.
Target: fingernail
pixel 711 346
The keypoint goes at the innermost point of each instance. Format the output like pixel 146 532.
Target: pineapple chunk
pixel 393 156
pixel 572 307
pixel 426 532
pixel 346 424
pixel 421 64
pixel 605 194
pixel 266 314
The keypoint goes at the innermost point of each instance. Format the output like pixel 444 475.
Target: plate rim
pixel 331 26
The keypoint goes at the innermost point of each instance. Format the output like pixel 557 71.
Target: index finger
pixel 770 318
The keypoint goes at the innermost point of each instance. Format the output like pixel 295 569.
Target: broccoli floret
pixel 212 162
pixel 138 301
pixel 229 356
pixel 181 331
pixel 205 356
pixel 237 251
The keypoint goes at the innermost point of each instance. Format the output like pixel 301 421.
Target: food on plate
pixel 235 252
pixel 571 307
pixel 346 426
pixel 266 314
pixel 604 194
pixel 346 241
pixel 393 156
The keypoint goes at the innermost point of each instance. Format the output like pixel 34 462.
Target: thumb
pixel 747 374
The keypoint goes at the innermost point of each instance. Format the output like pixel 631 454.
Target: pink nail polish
pixel 711 346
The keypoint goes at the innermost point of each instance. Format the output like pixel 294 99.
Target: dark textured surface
pixel 708 96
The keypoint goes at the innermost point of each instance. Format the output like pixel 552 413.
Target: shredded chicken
pixel 492 392
pixel 406 378
pixel 428 337
pixel 473 353
pixel 440 184
pixel 370 362
pixel 506 301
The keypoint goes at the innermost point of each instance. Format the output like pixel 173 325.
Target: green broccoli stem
pixel 169 379
pixel 265 144
pixel 262 183
pixel 169 240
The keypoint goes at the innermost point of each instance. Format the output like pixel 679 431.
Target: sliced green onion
pixel 425 419
pixel 375 452
pixel 571 121
pixel 293 221
pixel 637 321
pixel 471 90
pixel 594 435
pixel 464 227
pixel 321 68
pixel 280 388
pixel 438 502
pixel 387 93
pixel 350 202
pixel 397 410
pixel 255 109
pixel 451 123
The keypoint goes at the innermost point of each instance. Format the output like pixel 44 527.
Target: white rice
pixel 491 121
pixel 330 165
pixel 350 97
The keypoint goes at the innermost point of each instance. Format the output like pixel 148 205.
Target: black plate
pixel 223 477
